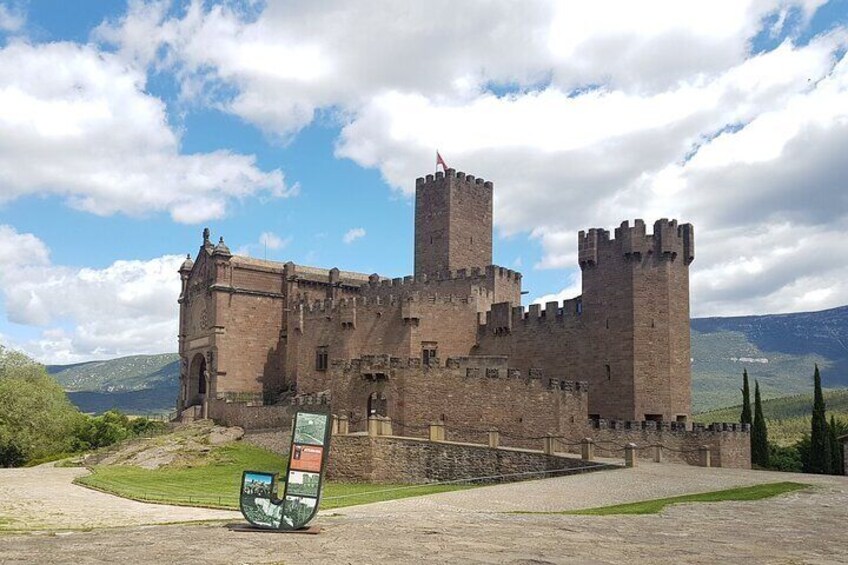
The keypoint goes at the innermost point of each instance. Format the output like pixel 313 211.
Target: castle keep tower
pixel 453 223
pixel 636 311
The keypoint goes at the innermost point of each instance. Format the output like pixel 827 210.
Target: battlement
pixel 491 272
pixel 668 242
pixel 680 427
pixel 329 305
pixel 492 367
pixel 453 176
pixel 503 316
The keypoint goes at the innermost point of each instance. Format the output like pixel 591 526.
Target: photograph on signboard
pixel 306 458
pixel 303 484
pixel 310 429
pixel 298 510
pixel 256 500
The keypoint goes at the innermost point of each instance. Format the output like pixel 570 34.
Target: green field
pixel 787 418
pixel 757 492
pixel 717 378
pixel 215 482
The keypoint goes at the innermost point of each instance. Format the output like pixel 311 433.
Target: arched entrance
pixel 196 381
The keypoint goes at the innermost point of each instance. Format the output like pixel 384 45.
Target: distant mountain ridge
pixel 779 350
pixel 139 384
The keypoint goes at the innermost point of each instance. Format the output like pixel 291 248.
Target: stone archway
pixel 197 380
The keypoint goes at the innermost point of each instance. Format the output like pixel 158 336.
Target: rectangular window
pixel 321 359
pixel 429 353
pixel 608 371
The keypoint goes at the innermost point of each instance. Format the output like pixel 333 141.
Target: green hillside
pixel 788 418
pixel 125 374
pixel 719 358
pixel 778 350
pixel 140 384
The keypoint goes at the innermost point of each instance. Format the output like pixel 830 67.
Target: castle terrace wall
pixel 845 454
pixel 729 444
pixel 405 460
pixel 471 395
pixel 275 440
pixel 250 417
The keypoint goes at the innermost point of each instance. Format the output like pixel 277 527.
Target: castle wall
pixel 471 395
pixel 392 326
pixel 404 460
pixel 253 417
pixel 729 444
pixel 489 285
pixel 549 340
pixel 250 359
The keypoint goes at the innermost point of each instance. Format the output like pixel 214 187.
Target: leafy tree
pixel 759 433
pixel 746 399
pixel 36 417
pixel 820 458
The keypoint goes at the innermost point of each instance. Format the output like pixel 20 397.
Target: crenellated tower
pixel 453 223
pixel 636 311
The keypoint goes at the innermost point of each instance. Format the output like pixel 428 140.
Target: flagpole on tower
pixel 440 161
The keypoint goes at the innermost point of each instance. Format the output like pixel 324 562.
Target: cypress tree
pixel 820 458
pixel 835 449
pixel 759 433
pixel 746 399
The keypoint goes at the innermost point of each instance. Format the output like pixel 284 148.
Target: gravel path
pixel 44 497
pixel 471 527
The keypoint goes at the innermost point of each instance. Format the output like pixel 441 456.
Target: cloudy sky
pixel 296 130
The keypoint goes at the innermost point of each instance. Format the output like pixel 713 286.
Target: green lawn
pixel 757 492
pixel 216 481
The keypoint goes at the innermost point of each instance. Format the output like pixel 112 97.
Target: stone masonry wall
pixel 729 444
pixel 445 239
pixel 470 395
pixel 404 460
pixel 274 440
pixel 845 453
pixel 392 326
pixel 252 417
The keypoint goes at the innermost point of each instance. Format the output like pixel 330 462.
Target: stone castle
pixel 450 343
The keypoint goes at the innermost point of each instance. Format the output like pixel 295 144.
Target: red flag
pixel 440 161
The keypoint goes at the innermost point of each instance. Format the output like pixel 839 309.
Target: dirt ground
pixel 43 497
pixel 477 526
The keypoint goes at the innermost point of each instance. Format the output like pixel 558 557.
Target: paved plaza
pixel 479 526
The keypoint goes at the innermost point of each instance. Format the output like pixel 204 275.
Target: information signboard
pixel 302 487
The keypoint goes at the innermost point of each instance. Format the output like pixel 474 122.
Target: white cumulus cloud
pixel 126 308
pixel 582 113
pixel 77 122
pixel 11 19
pixel 353 234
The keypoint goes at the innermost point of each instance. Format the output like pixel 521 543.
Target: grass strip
pixel 756 492
pixel 215 482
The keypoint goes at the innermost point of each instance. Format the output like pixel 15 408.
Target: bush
pixel 111 427
pixel 786 459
